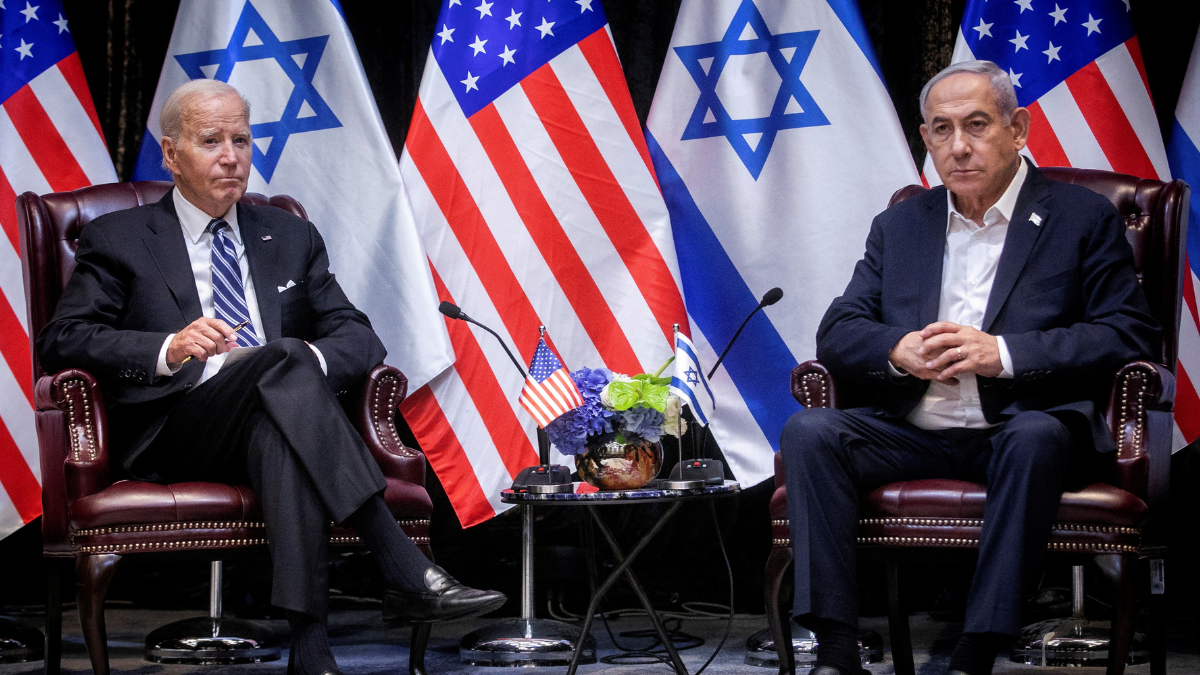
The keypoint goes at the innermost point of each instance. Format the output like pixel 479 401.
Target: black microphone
pixel 544 477
pixel 769 298
pixel 453 311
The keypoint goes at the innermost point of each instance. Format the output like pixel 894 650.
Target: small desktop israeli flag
pixel 689 382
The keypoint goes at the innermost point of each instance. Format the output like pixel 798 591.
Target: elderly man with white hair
pixel 976 340
pixel 162 293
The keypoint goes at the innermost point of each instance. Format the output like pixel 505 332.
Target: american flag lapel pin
pixel 266 237
pixel 1035 219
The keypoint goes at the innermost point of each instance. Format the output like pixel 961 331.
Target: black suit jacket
pixel 133 286
pixel 1065 299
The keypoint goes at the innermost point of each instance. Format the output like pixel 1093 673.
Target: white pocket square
pixel 290 283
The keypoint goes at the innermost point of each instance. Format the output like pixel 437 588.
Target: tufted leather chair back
pixel 1155 216
pixel 51 235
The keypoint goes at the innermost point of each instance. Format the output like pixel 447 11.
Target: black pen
pixel 235 330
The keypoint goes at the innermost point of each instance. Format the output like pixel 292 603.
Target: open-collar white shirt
pixel 969 264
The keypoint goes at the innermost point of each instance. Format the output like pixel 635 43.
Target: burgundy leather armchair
pixel 1113 525
pixel 97 521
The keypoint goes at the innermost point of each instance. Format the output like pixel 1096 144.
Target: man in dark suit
pixel 151 311
pixel 976 340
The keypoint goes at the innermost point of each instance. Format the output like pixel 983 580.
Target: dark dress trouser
pixel 834 456
pixel 272 420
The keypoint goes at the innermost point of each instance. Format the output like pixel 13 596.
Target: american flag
pixel 50 141
pixel 1076 65
pixel 549 390
pixel 532 186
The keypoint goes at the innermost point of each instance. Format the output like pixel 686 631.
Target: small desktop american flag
pixel 549 390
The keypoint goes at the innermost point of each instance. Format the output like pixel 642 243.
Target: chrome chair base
pixel 207 641
pixel 1071 642
pixel 19 644
pixel 525 643
pixel 760 648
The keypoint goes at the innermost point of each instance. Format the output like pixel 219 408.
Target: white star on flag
pixel 1059 14
pixel 62 24
pixel 455 2
pixel 545 28
pixel 1019 41
pixel 30 12
pixel 584 5
pixel 1015 77
pixel 1093 25
pixel 514 19
pixel 477 45
pixel 26 49
pixel 507 56
pixel 470 82
pixel 447 34
pixel 1025 4
pixel 984 29
pixel 484 8
pixel 1052 53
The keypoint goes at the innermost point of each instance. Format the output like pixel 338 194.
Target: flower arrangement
pixel 639 406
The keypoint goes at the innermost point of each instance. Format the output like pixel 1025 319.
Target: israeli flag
pixel 319 138
pixel 775 143
pixel 689 382
pixel 1183 154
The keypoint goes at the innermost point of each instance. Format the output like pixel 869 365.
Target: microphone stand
pixel 525 641
pixel 712 471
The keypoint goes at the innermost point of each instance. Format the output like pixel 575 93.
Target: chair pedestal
pixel 1073 640
pixel 212 640
pixel 526 641
pixel 760 648
pixel 19 644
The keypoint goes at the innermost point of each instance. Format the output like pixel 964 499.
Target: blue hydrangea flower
pixel 644 422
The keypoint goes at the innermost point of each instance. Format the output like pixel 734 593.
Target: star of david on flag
pixel 791 108
pixel 689 383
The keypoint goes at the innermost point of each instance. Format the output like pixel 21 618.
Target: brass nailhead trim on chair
pixel 1124 414
pixel 169 545
pixel 88 429
pixel 808 402
pixel 391 407
pixel 168 527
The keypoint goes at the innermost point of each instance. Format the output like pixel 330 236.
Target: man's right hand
pixel 906 357
pixel 202 338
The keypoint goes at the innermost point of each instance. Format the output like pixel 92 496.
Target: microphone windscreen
pixel 772 296
pixel 449 309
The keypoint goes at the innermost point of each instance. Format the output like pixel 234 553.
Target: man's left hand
pixel 955 350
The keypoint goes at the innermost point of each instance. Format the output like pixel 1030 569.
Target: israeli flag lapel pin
pixel 1036 219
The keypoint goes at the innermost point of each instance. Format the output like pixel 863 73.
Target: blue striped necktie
pixel 229 300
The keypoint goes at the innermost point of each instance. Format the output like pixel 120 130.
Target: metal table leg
pixel 623 568
pixel 527 641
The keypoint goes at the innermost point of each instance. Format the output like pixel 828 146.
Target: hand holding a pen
pixel 201 339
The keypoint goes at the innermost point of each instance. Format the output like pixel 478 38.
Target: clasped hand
pixel 944 350
pixel 201 339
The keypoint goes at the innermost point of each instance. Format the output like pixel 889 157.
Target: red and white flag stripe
pixel 547 401
pixel 50 141
pixel 540 209
pixel 1102 117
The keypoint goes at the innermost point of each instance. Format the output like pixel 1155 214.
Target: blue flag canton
pixel 545 363
pixel 33 38
pixel 1043 42
pixel 485 47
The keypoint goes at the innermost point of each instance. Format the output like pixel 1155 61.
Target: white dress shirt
pixel 199 247
pixel 969 265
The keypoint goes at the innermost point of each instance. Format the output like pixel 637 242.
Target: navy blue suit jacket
pixel 1065 299
pixel 133 286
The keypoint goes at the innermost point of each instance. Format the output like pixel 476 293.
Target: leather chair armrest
pixel 1140 413
pixel 812 386
pixel 71 401
pixel 372 408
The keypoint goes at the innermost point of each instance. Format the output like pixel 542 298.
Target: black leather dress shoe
pixel 444 599
pixel 830 670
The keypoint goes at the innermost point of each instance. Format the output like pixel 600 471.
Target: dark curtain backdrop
pixel 122 44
